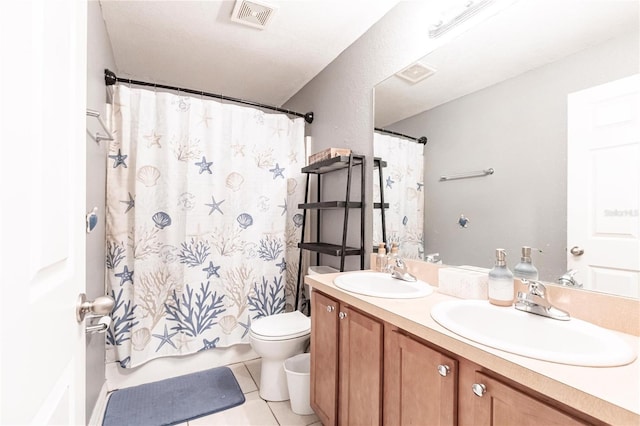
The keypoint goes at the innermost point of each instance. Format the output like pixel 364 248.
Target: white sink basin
pixel 379 284
pixel 572 342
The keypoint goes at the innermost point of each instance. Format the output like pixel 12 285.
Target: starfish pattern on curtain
pixel 202 222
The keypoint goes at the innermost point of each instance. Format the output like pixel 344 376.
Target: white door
pixel 604 186
pixel 42 193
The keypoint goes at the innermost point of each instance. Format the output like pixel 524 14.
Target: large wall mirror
pixel 496 97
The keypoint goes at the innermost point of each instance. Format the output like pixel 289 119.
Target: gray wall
pixel 518 127
pixel 99 57
pixel 341 96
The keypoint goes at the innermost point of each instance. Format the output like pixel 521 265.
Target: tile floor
pixel 255 411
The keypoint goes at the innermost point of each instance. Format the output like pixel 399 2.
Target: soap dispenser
pixel 381 259
pixel 393 256
pixel 501 281
pixel 525 269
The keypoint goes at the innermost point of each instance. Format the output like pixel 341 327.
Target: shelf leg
pixel 304 224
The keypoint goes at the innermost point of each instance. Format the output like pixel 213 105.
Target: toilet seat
pixel 289 325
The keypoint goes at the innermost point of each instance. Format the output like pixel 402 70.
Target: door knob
pixel 330 308
pixel 576 251
pixel 101 306
pixel 342 315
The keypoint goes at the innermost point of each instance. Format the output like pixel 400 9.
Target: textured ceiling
pixel 194 44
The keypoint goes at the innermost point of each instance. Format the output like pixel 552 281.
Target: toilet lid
pixel 281 326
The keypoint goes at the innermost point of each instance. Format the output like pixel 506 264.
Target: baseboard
pixel 164 368
pixel 98 410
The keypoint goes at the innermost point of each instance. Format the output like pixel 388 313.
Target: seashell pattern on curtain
pixel 202 222
pixel 403 181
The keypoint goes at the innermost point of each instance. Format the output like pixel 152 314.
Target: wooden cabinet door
pixel 420 384
pixel 324 358
pixel 503 405
pixel 360 401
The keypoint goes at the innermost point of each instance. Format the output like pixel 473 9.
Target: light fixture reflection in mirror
pixel 499 99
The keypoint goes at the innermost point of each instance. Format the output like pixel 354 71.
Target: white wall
pixel 99 57
pixel 518 127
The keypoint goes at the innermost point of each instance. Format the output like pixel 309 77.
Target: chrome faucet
pixel 535 301
pixel 568 279
pixel 399 270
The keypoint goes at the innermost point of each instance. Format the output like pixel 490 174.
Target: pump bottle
pixel 381 259
pixel 524 268
pixel 501 281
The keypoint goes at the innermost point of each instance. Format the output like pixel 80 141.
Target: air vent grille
pixel 416 72
pixel 255 14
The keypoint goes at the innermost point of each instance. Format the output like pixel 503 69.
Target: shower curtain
pixel 202 222
pixel 403 182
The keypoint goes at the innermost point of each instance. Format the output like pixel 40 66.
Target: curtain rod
pixel 421 139
pixel 110 79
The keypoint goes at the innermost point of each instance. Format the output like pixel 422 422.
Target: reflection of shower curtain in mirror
pixel 403 181
pixel 202 225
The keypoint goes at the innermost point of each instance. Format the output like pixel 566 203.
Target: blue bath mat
pixel 173 401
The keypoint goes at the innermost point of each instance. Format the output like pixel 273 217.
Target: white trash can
pixel 298 370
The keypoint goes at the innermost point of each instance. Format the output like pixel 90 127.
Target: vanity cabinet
pixel 487 400
pixel 346 364
pixel 325 334
pixel 353 354
pixel 420 383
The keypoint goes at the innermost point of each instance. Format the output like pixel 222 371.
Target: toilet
pixel 276 338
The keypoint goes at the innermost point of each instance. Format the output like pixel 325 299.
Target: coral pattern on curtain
pixel 202 222
pixel 403 182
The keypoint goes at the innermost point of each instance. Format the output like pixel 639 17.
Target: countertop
pixel 611 394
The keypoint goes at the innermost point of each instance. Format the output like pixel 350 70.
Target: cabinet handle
pixel 443 370
pixel 330 308
pixel 479 389
pixel 342 315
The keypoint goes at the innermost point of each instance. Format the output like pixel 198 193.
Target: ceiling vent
pixel 256 14
pixel 416 72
